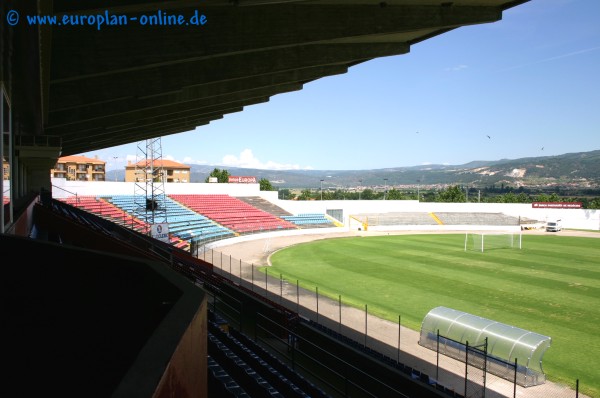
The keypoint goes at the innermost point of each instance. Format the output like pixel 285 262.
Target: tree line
pixel 450 194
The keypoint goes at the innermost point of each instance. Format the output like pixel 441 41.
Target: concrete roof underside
pixel 122 84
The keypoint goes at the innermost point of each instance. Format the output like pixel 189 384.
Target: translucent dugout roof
pixel 504 342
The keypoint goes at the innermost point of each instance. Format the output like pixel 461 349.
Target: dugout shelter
pixel 512 353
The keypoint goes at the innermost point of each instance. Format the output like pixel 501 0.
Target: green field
pixel 551 286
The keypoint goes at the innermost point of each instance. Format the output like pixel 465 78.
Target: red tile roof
pixel 161 163
pixel 80 159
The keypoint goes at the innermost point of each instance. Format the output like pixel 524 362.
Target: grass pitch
pixel 551 286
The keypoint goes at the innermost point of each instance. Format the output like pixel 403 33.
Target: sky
pixel 525 86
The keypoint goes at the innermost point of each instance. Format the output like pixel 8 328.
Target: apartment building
pixel 159 170
pixel 5 169
pixel 79 168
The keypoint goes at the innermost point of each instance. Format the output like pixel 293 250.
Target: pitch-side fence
pixel 468 377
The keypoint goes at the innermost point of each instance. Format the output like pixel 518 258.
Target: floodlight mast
pixel 385 189
pixel 359 188
pixel 115 158
pixel 322 189
pixel 149 188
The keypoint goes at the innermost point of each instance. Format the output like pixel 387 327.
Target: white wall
pixel 571 218
pixel 62 188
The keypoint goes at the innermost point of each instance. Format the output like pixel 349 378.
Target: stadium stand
pixel 99 207
pixel 278 374
pixel 264 205
pixel 460 218
pixel 220 383
pixel 249 379
pixel 233 213
pixel 184 224
pixel 396 218
pixel 310 220
pixel 438 218
pixel 111 212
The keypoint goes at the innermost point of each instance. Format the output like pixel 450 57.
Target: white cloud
pixel 189 160
pixel 186 160
pixel 457 68
pixel 571 54
pixel 246 159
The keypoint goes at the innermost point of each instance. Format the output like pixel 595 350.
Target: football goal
pixel 482 241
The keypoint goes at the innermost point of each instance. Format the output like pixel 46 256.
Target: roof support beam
pixel 231 31
pixel 271 84
pixel 179 76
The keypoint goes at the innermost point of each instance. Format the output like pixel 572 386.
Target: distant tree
pixel 222 175
pixel 367 194
pixel 452 194
pixel 338 194
pixel 543 198
pixel 286 194
pixel 523 198
pixel 512 198
pixel 594 203
pixel 305 194
pixel 508 198
pixel 429 196
pixel 394 194
pixel 553 197
pixel 265 185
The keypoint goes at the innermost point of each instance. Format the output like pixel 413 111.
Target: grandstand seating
pixel 257 361
pixel 310 220
pixel 445 218
pixel 458 218
pixel 264 205
pixel 397 218
pixel 249 379
pixel 105 210
pixel 121 210
pixel 220 383
pixel 183 223
pixel 233 213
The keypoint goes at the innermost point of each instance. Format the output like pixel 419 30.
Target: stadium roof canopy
pixel 114 72
pixel 506 344
pixel 100 85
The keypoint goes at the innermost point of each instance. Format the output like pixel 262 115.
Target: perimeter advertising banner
pixel 242 179
pixel 556 205
pixel 160 231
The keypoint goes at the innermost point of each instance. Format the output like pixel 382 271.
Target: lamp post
pixel 115 158
pixel 385 192
pixel 359 188
pixel 321 189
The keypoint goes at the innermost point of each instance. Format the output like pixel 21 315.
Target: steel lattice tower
pixel 149 188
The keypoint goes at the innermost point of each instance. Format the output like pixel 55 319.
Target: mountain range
pixel 581 170
pixel 571 170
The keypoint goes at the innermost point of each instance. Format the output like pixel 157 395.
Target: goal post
pixel 482 241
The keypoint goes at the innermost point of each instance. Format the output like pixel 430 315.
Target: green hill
pixel 574 170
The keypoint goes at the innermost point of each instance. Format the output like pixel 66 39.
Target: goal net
pixel 482 241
